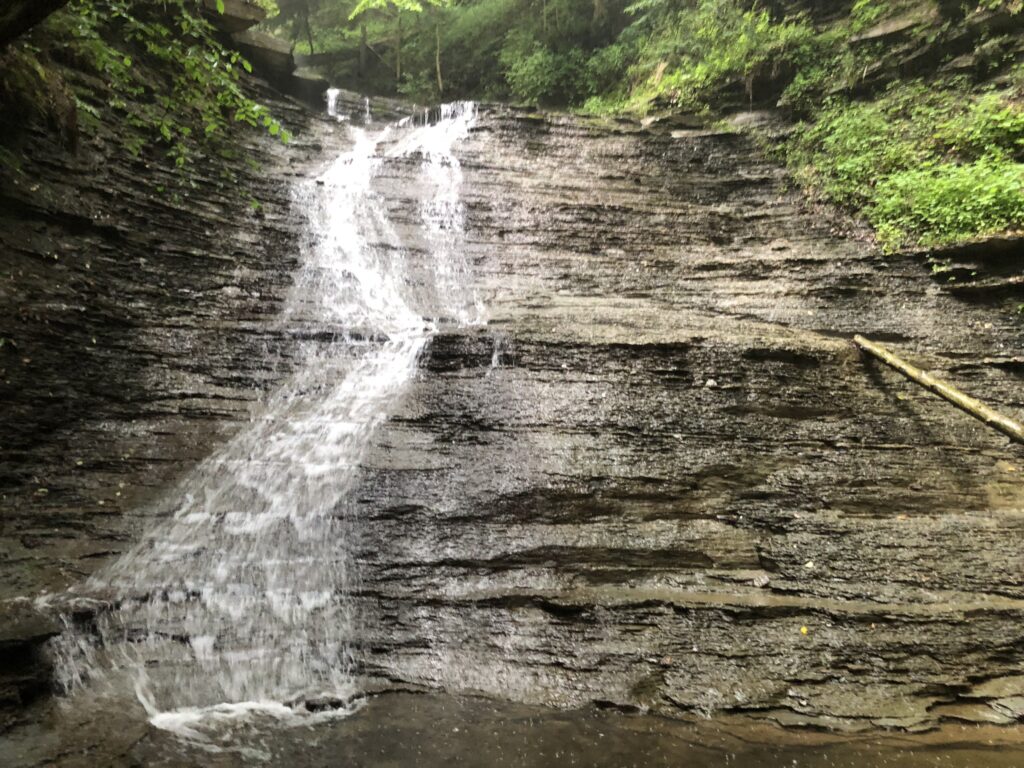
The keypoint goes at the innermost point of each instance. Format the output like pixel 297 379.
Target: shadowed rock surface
pixel 402 729
pixel 19 16
pixel 659 479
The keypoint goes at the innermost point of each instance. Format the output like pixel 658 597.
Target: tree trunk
pixel 362 51
pixel 309 29
pixel 966 403
pixel 398 48
pixel 437 55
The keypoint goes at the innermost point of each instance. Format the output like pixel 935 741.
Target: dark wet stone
pixel 662 461
pixel 237 15
pixel 269 55
pixel 891 30
pixel 24 668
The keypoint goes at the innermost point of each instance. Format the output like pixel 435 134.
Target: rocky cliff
pixel 662 479
pixel 659 479
pixel 134 309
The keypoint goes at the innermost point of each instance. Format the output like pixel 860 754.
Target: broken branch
pixel 1012 429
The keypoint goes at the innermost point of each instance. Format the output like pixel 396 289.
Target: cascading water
pixel 237 597
pixel 331 96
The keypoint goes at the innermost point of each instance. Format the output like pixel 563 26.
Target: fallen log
pixel 1012 429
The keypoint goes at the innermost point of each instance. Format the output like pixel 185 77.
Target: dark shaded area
pixel 20 16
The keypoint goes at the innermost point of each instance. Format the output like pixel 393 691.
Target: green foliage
pixel 986 125
pixel 694 53
pixel 925 164
pixel 537 74
pixel 1013 6
pixel 907 158
pixel 413 6
pixel 949 202
pixel 866 13
pixel 199 95
pixel 607 69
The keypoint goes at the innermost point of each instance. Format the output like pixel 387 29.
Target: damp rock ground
pixel 658 480
pixel 406 729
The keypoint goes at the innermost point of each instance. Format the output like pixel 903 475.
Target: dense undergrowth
pixel 929 154
pixel 156 67
pixel 928 162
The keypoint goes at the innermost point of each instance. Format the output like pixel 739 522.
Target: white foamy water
pixel 236 601
pixel 331 96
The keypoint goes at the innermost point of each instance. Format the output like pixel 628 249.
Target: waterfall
pixel 332 95
pixel 237 596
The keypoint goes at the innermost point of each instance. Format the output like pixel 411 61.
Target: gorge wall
pixel 658 479
pixel 134 334
pixel 662 479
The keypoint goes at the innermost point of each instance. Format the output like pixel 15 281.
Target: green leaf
pixel 220 7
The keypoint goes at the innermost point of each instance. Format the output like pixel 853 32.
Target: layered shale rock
pixel 662 479
pixel 658 478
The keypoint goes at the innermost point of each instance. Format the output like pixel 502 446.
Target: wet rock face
pixel 661 477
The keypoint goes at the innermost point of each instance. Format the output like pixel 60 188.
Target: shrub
pixel 542 76
pixel 947 202
pixel 198 94
pixel 699 50
pixel 926 164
